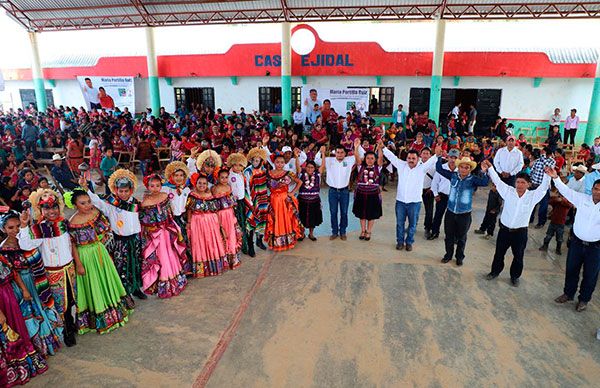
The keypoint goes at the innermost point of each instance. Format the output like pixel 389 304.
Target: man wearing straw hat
pixel 460 204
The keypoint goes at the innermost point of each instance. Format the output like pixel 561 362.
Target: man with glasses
pixel 508 161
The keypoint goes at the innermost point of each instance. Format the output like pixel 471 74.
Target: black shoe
pixel 558 249
pixel 427 234
pixel 538 226
pixel 514 282
pixel 261 244
pixel 459 262
pixel 433 236
pixel 399 247
pixel 479 231
pixel 544 248
pixel 491 276
pixel 250 241
pixel 446 260
pixel 140 295
pixel 70 339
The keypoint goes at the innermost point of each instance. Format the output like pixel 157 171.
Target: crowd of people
pixel 238 181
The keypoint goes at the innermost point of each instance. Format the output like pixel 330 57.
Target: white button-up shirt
pixel 410 180
pixel 299 117
pixel 577 185
pixel 517 210
pixel 191 165
pixel 571 122
pixel 338 172
pixel 508 161
pixel 236 181
pixel 123 222
pixel 429 174
pixel 440 184
pixel 178 201
pixel 587 218
pixel 56 251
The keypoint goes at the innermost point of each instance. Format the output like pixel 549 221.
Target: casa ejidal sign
pixel 317 60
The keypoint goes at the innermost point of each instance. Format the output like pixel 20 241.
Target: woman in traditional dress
pixel 309 196
pixel 367 195
pixel 176 175
pixel 231 229
pixel 163 246
pixel 204 230
pixel 43 322
pixel 257 197
pixel 209 163
pixel 283 225
pixel 19 361
pixel 102 302
pixel 236 163
pixel 74 152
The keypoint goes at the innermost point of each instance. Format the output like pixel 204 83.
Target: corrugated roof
pixel 38 15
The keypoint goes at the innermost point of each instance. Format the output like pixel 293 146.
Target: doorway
pixel 486 101
pixel 190 98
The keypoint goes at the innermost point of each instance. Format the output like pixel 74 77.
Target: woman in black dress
pixel 309 196
pixel 367 195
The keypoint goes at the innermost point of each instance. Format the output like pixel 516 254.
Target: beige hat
pixel 580 168
pixel 466 160
pixel 596 166
pixel 56 157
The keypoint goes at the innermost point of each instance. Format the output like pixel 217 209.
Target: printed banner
pixel 108 92
pixel 342 99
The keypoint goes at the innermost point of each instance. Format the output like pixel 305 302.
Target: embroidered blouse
pixel 311 186
pixel 201 205
pixel 368 179
pixel 225 201
pixel 51 238
pixel 93 231
pixel 156 215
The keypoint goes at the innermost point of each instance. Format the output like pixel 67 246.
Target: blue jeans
pixel 581 257
pixel 404 211
pixel 543 209
pixel 341 198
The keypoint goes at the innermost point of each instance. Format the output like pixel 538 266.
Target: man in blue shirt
pixel 399 116
pixel 591 178
pixel 460 204
pixel 30 134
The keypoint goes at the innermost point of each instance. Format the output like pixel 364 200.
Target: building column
pixel 37 75
pixel 437 71
pixel 593 125
pixel 153 88
pixel 286 73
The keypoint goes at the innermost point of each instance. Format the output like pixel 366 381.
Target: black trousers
pixel 586 257
pixel 516 240
pixel 456 228
pixel 569 133
pixel 428 204
pixel 440 209
pixel 489 223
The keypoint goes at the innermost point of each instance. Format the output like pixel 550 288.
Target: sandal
pixel 367 236
pixel 362 235
pixel 312 238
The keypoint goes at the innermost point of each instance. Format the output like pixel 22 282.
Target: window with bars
pixel 28 97
pixel 386 101
pixel 189 98
pixel 269 98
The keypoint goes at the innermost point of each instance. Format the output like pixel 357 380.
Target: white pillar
pixel 36 74
pixel 153 87
pixel 286 73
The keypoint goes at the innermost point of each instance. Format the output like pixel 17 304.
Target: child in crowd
pixel 492 209
pixel 558 218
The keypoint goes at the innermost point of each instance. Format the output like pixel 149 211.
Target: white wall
pixel 520 100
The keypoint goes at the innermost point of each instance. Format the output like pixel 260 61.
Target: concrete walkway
pixel 354 313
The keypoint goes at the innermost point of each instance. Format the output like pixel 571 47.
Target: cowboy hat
pixel 466 160
pixel 596 166
pixel 580 168
pixel 56 157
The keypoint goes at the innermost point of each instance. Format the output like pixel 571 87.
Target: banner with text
pixel 108 92
pixel 342 99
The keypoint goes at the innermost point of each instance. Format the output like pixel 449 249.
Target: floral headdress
pixel 206 156
pixel 122 178
pixel 45 198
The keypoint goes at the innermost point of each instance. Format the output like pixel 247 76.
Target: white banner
pixel 342 99
pixel 108 92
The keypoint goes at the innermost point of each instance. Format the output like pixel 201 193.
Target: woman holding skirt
pixel 309 196
pixel 367 195
pixel 19 361
pixel 226 204
pixel 283 224
pixel 163 246
pixel 102 302
pixel 43 322
pixel 208 249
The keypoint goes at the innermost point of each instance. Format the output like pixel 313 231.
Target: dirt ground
pixel 352 314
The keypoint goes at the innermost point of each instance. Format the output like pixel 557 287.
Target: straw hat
pixel 175 166
pixel 122 176
pixel 468 161
pixel 204 155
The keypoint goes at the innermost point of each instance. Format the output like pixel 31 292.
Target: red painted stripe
pixel 229 333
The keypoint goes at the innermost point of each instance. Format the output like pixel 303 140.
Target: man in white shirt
pixel 440 187
pixel 338 170
pixel 91 94
pixel 311 101
pixel 411 174
pixel 519 203
pixel 584 250
pixel 299 118
pixel 577 181
pixel 427 196
pixel 456 110
pixel 508 161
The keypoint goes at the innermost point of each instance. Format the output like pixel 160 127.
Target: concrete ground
pixel 354 313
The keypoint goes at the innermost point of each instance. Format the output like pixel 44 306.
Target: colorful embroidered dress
pixel 230 227
pixel 257 199
pixel 163 251
pixel 207 243
pixel 309 200
pixel 367 197
pixel 43 321
pixel 19 361
pixel 283 225
pixel 102 302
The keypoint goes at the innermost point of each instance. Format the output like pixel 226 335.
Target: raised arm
pixel 571 195
pixel 96 200
pixel 542 189
pixel 357 157
pixel 379 156
pixel 396 161
pixel 268 152
pixel 320 157
pixel 503 188
pixel 442 171
pixel 26 242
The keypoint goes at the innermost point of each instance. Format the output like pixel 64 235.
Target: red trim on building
pixel 326 59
